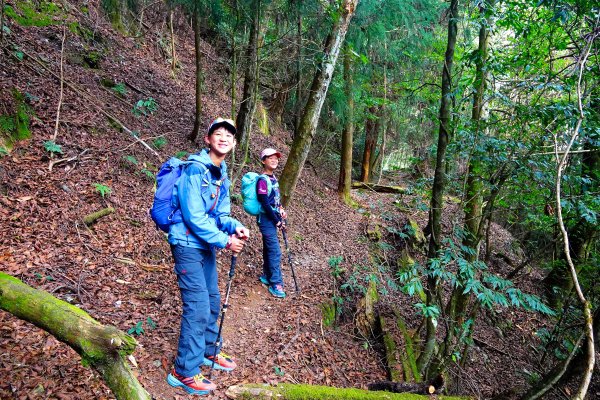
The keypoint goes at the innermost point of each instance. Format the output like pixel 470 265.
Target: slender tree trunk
pixel 310 116
pixel 248 105
pixel 298 66
pixel 104 347
pixel 173 55
pixel 347 137
pixel 439 183
pixel 199 76
pixel 474 197
pixel 234 59
pixel 561 164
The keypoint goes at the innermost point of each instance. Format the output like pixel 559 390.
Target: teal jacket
pixel 202 195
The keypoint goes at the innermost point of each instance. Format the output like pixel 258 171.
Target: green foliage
pixel 181 154
pixel 120 89
pixel 159 143
pixel 145 107
pixel 131 160
pixel 102 189
pixel 278 370
pixel 334 264
pixel 51 147
pixel 473 277
pixel 28 13
pixel 148 174
pixel 138 328
pixel 15 126
pixel 3 151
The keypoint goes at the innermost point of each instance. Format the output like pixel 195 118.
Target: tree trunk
pixel 459 301
pixel 173 56
pixel 104 347
pixel 298 107
pixel 248 105
pixel 371 136
pixel 439 181
pixel 347 137
pixel 310 116
pixel 193 136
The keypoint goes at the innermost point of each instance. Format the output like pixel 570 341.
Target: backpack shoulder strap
pixel 269 184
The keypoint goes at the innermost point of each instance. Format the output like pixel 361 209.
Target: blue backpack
pixel 249 196
pixel 163 211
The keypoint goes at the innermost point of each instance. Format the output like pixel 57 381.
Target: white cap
pixel 269 152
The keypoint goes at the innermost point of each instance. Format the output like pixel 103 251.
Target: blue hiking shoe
pixel 277 291
pixel 263 279
pixel 222 362
pixel 196 384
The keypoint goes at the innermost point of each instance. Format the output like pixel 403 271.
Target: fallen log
pixel 287 391
pixel 105 348
pixel 379 188
pixel 91 218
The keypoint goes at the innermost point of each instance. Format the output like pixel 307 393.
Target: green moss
pixel 390 352
pixel 15 126
pixel 311 392
pixel 26 13
pixel 328 311
pixel 409 356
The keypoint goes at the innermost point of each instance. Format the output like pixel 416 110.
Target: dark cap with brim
pixel 222 122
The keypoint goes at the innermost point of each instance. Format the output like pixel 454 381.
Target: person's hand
pixel 242 232
pixel 283 213
pixel 281 224
pixel 236 245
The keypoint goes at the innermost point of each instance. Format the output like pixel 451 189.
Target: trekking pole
pixel 223 311
pixel 287 247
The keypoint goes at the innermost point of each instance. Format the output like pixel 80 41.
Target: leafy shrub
pixel 145 107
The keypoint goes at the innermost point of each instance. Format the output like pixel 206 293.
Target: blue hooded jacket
pixel 202 195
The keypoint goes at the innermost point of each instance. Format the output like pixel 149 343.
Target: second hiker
pixel 269 221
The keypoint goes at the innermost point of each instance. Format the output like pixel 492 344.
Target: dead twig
pixel 62 80
pixel 69 159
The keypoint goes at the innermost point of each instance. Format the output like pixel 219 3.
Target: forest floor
pixel 120 271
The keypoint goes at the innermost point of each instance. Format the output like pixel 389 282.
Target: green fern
pixel 102 189
pixel 52 147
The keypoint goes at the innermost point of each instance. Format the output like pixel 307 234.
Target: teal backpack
pixel 250 199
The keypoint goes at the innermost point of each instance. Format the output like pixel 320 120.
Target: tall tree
pixel 345 179
pixel 193 135
pixel 310 116
pixel 249 96
pixel 439 183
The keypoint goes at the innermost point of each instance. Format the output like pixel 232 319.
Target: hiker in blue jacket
pixel 272 218
pixel 202 194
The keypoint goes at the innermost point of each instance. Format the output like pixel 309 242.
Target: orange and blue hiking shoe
pixel 222 362
pixel 196 384
pixel 277 291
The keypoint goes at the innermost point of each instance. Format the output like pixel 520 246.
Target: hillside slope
pixel 119 270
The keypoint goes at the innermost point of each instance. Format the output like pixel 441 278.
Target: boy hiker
pixel 272 218
pixel 202 195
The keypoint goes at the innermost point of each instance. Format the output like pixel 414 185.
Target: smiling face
pixel 221 141
pixel 271 163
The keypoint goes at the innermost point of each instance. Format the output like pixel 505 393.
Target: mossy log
pixel 379 188
pixel 103 347
pixel 366 316
pixel 313 392
pixel 91 218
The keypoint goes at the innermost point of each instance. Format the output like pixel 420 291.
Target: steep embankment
pixel 119 269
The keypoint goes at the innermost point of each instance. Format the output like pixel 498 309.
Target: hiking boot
pixel 263 279
pixel 196 384
pixel 222 362
pixel 277 291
